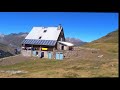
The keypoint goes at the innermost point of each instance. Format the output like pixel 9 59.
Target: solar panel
pixel 39 42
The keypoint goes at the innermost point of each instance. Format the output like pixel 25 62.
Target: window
pixel 40 37
pixel 45 31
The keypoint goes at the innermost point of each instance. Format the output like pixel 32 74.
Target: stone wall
pixel 26 52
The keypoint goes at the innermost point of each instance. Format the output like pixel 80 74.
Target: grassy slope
pixel 64 69
pixel 109 38
pixel 108 43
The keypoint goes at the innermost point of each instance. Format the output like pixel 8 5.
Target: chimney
pixel 59 27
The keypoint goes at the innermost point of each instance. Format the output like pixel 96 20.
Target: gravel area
pixel 14 59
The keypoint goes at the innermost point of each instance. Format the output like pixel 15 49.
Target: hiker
pixel 42 54
pixel 36 53
pixel 33 49
pixel 16 51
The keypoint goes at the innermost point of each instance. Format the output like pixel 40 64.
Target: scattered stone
pixel 112 65
pixel 100 56
pixel 13 72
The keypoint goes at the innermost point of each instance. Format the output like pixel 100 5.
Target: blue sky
pixel 86 26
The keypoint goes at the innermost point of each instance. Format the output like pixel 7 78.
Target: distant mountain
pixel 5 50
pixel 75 41
pixel 1 35
pixel 9 42
pixel 14 39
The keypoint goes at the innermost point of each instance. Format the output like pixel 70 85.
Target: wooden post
pixel 40 50
pixel 31 50
pixel 53 53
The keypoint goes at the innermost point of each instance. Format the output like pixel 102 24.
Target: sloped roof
pixel 39 42
pixel 51 34
pixel 66 43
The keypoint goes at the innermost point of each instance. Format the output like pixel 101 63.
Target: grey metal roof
pixel 39 42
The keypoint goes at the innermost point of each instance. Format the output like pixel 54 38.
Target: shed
pixel 66 45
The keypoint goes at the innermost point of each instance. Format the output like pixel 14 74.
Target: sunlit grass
pixel 64 69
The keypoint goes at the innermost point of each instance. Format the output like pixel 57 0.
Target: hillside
pixel 109 38
pixel 9 42
pixel 108 43
pixel 14 39
pixel 5 51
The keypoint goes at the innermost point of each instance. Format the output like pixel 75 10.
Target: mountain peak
pixel 75 41
pixel 2 35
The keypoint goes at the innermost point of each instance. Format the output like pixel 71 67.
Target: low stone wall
pixel 82 53
pixel 26 52
pixel 81 48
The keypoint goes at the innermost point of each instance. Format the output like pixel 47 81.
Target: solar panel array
pixel 39 42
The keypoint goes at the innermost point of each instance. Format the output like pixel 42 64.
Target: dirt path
pixel 13 60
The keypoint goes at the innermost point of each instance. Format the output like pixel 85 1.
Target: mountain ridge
pixel 111 37
pixel 107 43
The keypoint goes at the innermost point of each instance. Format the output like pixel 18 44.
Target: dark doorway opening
pixel 42 54
pixel 62 48
pixel 70 48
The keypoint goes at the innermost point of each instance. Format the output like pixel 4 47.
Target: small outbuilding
pixel 66 45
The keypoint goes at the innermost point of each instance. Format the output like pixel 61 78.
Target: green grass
pixel 109 38
pixel 64 69
pixel 107 47
pixel 107 43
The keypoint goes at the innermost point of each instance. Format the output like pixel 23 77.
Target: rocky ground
pixel 85 53
pixel 13 60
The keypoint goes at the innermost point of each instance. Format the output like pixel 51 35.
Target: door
pixel 57 55
pixel 42 54
pixel 49 55
pixel 62 47
pixel 34 53
pixel 61 56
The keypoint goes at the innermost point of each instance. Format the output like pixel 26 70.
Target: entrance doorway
pixel 62 47
pixel 49 55
pixel 42 54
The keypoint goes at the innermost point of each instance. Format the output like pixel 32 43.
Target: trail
pixel 13 60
